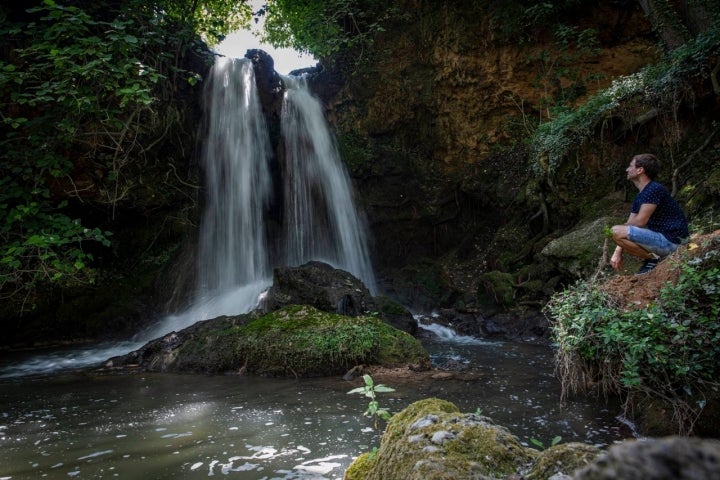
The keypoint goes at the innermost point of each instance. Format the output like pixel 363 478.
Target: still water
pixel 161 426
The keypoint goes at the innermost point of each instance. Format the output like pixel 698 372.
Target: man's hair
pixel 649 163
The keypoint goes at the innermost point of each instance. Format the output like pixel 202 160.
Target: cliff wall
pixel 435 122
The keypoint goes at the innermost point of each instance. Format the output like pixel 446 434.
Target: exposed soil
pixel 638 291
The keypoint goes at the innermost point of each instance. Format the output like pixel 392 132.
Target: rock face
pixel 577 252
pixel 318 284
pixel 420 125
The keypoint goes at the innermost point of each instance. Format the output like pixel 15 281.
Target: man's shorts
pixel 654 242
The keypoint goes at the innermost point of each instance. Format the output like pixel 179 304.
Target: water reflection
pixel 191 426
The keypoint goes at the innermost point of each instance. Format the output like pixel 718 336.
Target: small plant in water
pixel 557 439
pixel 371 390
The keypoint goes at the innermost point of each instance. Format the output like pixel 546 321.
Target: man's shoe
pixel 647 266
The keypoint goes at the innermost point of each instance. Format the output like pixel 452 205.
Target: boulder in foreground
pixel 432 440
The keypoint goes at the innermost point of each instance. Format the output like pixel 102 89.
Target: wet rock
pixel 333 290
pixel 560 461
pixel 491 328
pixel 432 440
pixel 320 285
pixel 269 83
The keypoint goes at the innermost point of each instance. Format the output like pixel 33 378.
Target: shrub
pixel 669 350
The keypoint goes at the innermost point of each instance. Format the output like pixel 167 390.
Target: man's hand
pixel 616 260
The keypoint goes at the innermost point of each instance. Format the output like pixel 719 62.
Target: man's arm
pixel 641 218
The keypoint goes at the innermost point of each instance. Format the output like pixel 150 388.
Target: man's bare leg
pixel 620 233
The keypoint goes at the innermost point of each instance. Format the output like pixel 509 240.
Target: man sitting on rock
pixel 656 225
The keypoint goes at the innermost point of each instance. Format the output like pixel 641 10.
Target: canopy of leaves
pixel 323 27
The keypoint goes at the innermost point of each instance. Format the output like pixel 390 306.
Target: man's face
pixel 632 171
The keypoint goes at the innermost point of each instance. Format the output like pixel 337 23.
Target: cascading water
pixel 233 256
pixel 233 248
pixel 321 222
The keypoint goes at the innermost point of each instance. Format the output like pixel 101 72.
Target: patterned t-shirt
pixel 668 218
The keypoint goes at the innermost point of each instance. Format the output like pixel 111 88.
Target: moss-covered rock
pixel 432 439
pixel 297 340
pixel 562 459
pixel 577 252
pixel 498 287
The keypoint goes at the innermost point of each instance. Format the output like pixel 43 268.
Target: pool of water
pixel 168 426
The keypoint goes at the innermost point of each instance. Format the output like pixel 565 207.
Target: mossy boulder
pixel 297 340
pixel 498 288
pixel 564 458
pixel 577 253
pixel 432 439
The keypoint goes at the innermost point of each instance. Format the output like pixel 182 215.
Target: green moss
pixel 431 439
pixel 302 340
pixel 388 306
pixel 418 410
pixel 564 458
pixel 211 349
pixel 499 286
pixel 360 468
pixel 400 348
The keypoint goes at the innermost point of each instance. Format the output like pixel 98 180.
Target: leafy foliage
pixel 83 93
pixel 370 390
pixel 668 350
pixel 323 27
pixel 211 19
pixel 657 86
pixel 541 446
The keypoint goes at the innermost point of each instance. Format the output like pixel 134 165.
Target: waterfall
pixel 233 260
pixel 232 249
pixel 235 257
pixel 321 222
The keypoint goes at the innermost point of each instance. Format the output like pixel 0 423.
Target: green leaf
pixel 382 388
